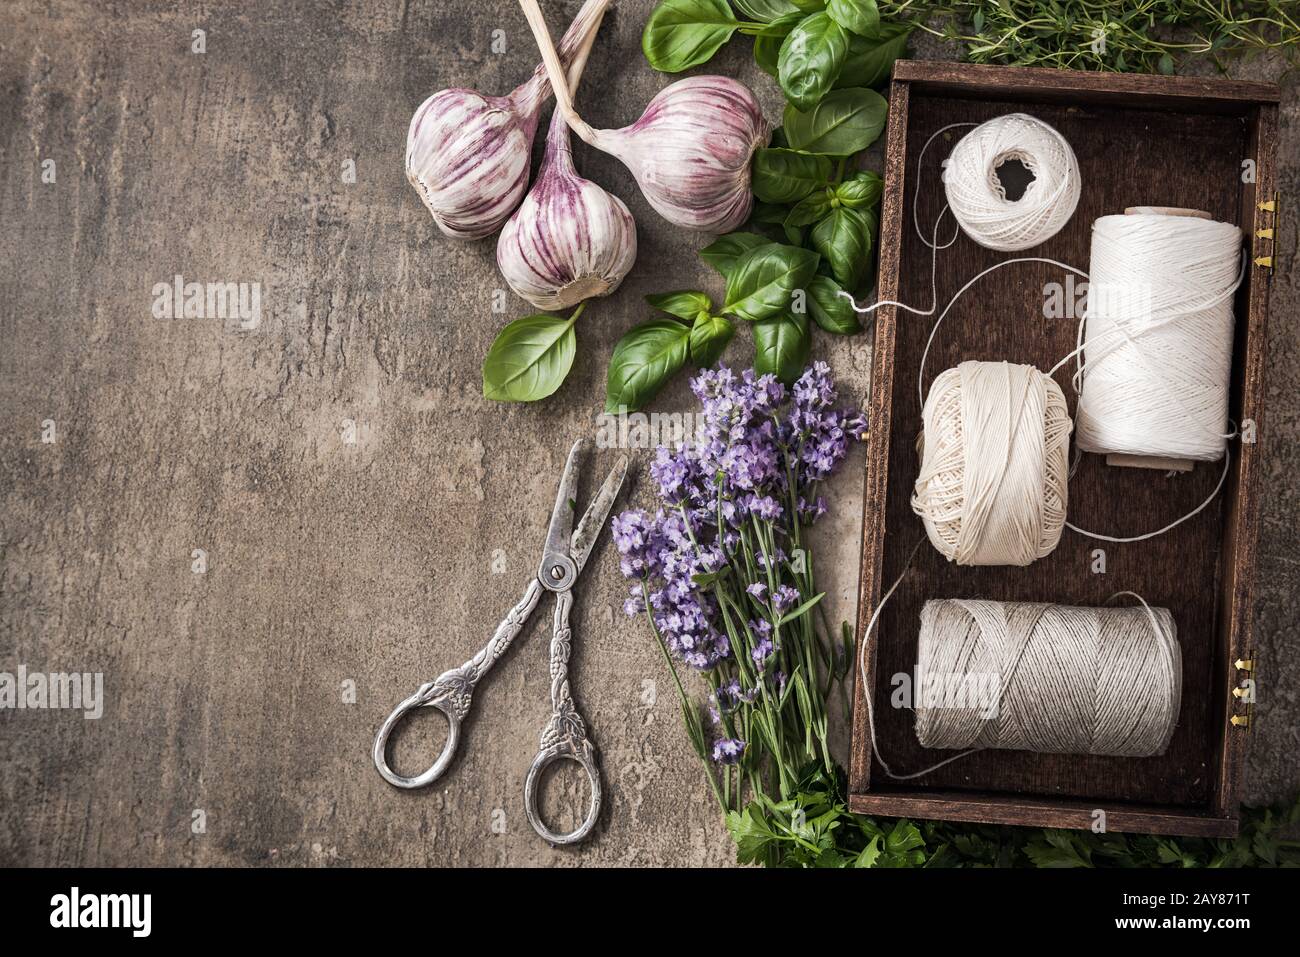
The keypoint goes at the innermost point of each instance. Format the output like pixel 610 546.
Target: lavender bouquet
pixel 725 578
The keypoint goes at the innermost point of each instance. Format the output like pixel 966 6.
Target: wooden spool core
pixel 1164 464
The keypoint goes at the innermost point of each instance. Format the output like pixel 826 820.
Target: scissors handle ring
pixel 584 755
pixel 418 700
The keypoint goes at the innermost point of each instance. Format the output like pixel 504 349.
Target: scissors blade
pixel 561 528
pixel 593 520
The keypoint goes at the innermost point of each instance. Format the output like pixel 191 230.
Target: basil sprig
pixel 810 46
pixel 653 352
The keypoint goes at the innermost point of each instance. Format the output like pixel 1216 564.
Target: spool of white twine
pixel 994 478
pixel 1157 352
pixel 1053 679
pixel 979 200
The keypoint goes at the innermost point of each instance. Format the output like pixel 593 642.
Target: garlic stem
pixel 555 70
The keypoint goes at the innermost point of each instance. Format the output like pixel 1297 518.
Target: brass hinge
pixel 1269 233
pixel 1245 665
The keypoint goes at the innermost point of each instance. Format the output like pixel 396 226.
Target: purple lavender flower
pixel 635 603
pixel 784 598
pixel 756 439
pixel 728 750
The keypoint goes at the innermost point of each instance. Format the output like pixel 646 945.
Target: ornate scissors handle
pixel 565 735
pixel 452 693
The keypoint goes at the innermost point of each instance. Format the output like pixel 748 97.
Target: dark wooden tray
pixel 1140 140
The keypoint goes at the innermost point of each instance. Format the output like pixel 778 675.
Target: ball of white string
pixel 994 478
pixel 979 200
pixel 1157 354
pixel 1069 680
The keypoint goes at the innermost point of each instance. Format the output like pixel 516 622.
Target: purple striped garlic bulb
pixel 569 240
pixel 467 154
pixel 690 151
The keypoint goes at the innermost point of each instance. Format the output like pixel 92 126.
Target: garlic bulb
pixel 467 154
pixel 691 149
pixel 569 240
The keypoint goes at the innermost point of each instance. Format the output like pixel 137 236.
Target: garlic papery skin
pixel 570 240
pixel 467 154
pixel 691 150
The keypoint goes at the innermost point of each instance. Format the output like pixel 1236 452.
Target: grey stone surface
pixel 380 562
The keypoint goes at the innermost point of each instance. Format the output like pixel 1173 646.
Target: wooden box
pixel 1140 141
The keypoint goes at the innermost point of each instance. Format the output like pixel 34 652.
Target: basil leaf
pixel 829 309
pixel 809 210
pixel 530 358
pixel 709 337
pixel 644 359
pixel 843 123
pixel 767 54
pixel 784 176
pixel 781 346
pixel 684 305
pixel 869 61
pixel 863 190
pixel 723 252
pixel 763 279
pixel 684 33
pixel 765 11
pixel 859 16
pixel 844 238
pixel 810 60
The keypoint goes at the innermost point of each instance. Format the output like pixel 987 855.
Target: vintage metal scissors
pixel 565 735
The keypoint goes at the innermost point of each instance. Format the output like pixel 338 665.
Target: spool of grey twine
pixel 1047 678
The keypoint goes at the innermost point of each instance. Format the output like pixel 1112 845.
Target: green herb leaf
pixel 709 337
pixel 684 33
pixel 763 279
pixel 787 176
pixel 810 60
pixel 767 44
pixel 806 606
pixel 829 309
pixel 862 191
pixel 859 16
pixel 809 209
pixel 723 252
pixel 870 854
pixel 781 346
pixel 751 834
pixel 845 239
pixel 530 358
pixel 765 11
pixel 869 61
pixel 843 123
pixel 685 305
pixel 644 359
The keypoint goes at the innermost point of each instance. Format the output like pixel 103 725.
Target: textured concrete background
pixel 381 562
